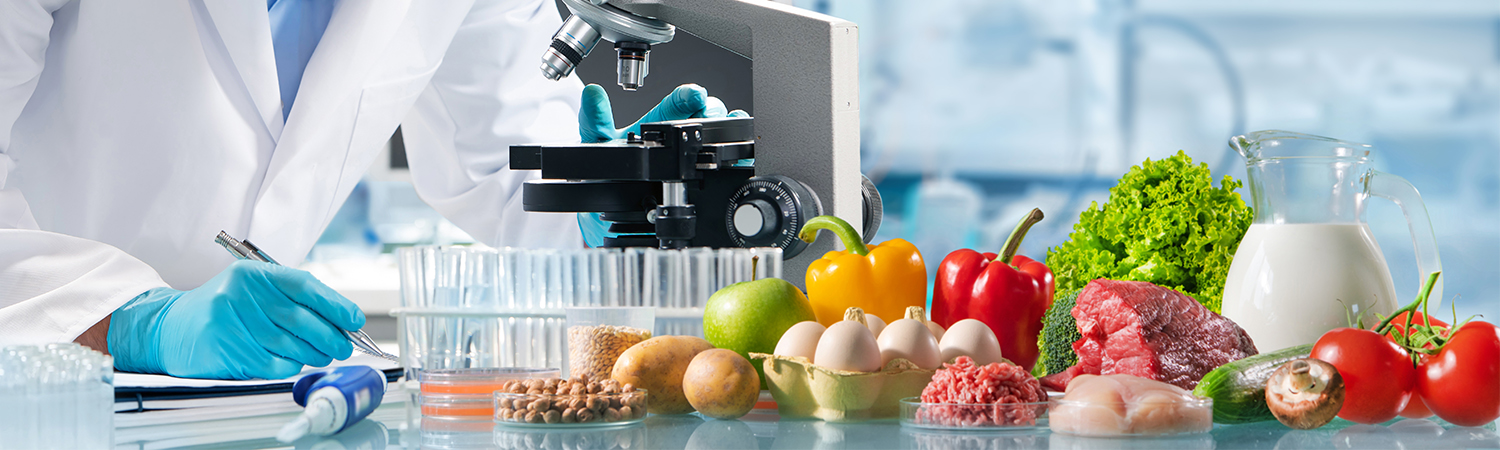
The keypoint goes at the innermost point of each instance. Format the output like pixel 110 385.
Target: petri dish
pixel 482 382
pixel 609 410
pixel 973 416
pixel 1147 416
pixel 625 437
pixel 456 407
pixel 467 394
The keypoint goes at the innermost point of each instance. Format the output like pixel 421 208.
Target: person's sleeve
pixel 52 286
pixel 487 95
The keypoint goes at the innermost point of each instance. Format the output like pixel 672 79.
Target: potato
pixel 721 384
pixel 657 365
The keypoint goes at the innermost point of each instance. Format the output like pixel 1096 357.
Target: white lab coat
pixel 131 132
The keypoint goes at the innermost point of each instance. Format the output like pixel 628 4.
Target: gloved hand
pixel 594 229
pixel 596 121
pixel 253 320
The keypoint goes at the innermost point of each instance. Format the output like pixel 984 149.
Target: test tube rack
pixel 478 307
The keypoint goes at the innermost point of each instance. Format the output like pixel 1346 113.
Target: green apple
pixel 751 316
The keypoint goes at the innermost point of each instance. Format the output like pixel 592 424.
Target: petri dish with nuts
pixel 598 335
pixel 573 403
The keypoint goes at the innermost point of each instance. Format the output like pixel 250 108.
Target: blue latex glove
pixel 594 229
pixel 596 123
pixel 253 320
pixel 596 120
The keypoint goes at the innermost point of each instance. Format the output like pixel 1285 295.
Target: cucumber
pixel 1239 387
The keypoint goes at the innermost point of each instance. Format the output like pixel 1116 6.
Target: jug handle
pixel 1404 195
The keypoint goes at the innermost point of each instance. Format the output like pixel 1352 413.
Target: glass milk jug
pixel 1309 255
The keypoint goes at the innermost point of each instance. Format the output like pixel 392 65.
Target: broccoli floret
pixel 1059 332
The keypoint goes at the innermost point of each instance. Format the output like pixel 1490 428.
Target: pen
pixel 246 250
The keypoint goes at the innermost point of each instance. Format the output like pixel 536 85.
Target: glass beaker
pixel 1309 257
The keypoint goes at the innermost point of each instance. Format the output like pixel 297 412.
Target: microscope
pixel 725 182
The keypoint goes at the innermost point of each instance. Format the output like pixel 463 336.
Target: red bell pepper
pixel 1008 292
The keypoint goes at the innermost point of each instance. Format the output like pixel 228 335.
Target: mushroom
pixel 1305 393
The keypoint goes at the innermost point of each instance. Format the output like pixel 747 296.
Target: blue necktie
pixel 296 27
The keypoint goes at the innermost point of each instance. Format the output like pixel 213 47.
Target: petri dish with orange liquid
pixel 468 394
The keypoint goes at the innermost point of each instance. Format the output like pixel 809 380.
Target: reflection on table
pixel 397 426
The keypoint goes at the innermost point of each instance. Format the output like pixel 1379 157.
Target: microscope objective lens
pixel 634 64
pixel 572 42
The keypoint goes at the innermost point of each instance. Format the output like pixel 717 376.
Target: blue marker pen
pixel 335 399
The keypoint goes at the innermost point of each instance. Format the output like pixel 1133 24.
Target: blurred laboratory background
pixel 975 111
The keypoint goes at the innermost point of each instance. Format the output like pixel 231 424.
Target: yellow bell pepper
pixel 882 279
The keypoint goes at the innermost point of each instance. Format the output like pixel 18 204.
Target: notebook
pixel 142 399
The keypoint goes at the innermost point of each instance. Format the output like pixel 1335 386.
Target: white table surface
pixel 394 425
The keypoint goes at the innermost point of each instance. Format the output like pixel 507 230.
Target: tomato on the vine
pixel 1398 325
pixel 1461 383
pixel 1416 408
pixel 1378 375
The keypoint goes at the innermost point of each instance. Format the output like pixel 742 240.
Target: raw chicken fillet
pixel 1141 329
pixel 1116 405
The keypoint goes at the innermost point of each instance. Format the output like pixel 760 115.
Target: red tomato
pixel 1378 376
pixel 1461 383
pixel 1416 408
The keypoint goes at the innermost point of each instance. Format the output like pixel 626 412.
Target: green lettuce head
pixel 1165 223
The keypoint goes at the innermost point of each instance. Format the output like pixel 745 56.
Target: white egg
pixel 849 346
pixel 909 339
pixel 875 325
pixel 937 330
pixel 800 340
pixel 970 338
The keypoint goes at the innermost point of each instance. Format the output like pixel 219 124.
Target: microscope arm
pixel 805 74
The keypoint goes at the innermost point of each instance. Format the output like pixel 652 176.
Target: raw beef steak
pixel 1149 331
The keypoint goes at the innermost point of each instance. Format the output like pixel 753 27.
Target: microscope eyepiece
pixel 572 42
pixel 635 64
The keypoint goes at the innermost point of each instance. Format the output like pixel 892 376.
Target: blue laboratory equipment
pixel 335 399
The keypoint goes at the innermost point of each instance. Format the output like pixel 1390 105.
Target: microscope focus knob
pixel 768 211
pixel 755 218
pixel 874 208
